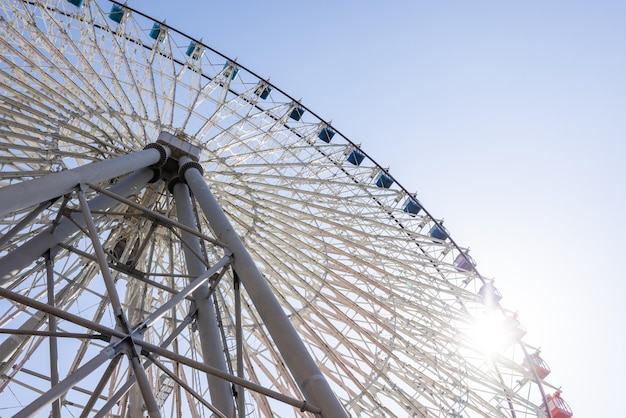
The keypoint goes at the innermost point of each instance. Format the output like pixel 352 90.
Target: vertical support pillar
pixel 301 364
pixel 210 339
pixel 52 327
pixel 241 399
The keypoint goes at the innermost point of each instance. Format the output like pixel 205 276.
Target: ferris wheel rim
pixel 252 206
pixel 309 110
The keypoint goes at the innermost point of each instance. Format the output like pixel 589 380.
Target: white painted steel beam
pixel 28 193
pixel 299 361
pixel 22 257
pixel 208 329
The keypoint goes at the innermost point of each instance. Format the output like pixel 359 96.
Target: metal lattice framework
pixel 170 221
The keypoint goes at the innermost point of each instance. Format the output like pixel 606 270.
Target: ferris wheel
pixel 181 238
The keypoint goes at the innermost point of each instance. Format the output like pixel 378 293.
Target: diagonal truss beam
pixel 66 384
pixel 22 257
pixel 118 311
pixel 156 350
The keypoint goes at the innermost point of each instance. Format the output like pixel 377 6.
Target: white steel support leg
pixel 210 339
pixel 241 399
pixel 31 192
pixel 52 327
pixel 308 375
pixel 23 256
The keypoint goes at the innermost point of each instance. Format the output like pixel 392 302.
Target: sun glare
pixel 492 332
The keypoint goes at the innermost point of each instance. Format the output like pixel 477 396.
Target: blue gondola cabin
pixel 356 157
pixel 439 232
pixel 384 181
pixel 490 295
pixel 157 32
pixel 262 90
pixel 463 262
pixel 412 207
pixel 194 51
pixel 326 134
pixel 117 13
pixel 230 70
pixel 296 113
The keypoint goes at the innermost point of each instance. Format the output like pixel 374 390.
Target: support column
pixel 15 261
pixel 241 396
pixel 22 195
pixel 307 374
pixel 208 329
pixel 52 327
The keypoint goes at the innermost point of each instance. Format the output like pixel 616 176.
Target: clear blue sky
pixel 507 118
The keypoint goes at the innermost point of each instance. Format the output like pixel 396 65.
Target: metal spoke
pixel 231 252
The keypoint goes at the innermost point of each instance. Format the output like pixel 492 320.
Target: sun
pixel 493 331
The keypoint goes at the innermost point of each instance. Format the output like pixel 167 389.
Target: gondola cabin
pixel 558 407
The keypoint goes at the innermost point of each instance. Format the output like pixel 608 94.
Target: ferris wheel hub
pixel 294 275
pixel 179 149
pixel 179 146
